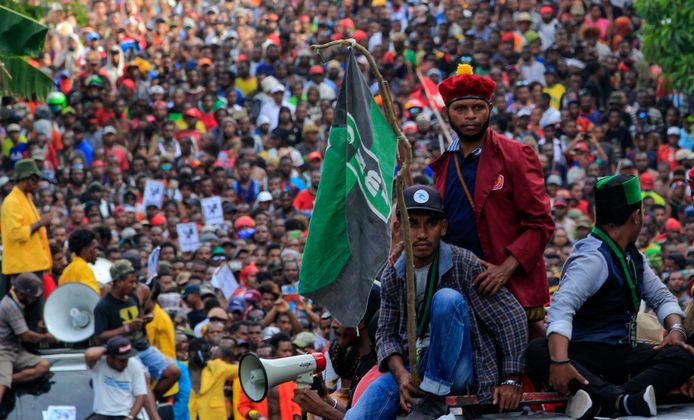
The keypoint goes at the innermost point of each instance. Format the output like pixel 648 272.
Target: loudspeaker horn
pixel 258 375
pixel 69 312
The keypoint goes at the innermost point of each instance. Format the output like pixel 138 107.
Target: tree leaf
pixel 20 35
pixel 667 40
pixel 26 81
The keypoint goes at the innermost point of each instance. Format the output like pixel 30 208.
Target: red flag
pixel 432 93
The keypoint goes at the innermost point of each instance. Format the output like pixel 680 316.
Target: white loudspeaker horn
pixel 258 375
pixel 69 312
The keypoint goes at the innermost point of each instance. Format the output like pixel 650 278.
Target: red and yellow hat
pixel 466 85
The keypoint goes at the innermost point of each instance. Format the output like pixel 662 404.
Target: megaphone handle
pixel 304 381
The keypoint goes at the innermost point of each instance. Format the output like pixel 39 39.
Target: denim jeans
pixel 446 366
pixel 154 361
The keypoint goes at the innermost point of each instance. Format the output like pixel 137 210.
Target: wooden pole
pixel 401 180
pixel 445 129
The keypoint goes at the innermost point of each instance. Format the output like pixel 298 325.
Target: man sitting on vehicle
pixel 455 325
pixel 118 313
pixel 591 349
pixel 118 380
pixel 16 364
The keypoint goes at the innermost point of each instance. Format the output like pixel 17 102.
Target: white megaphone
pixel 258 375
pixel 69 312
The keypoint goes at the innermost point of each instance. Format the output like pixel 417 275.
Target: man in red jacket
pixel 495 198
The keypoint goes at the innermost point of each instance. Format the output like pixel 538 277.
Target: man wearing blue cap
pixel 455 325
pixel 191 297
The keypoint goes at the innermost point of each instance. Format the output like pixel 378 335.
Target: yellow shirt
pixel 555 92
pixel 181 125
pixel 210 402
pixel 79 271
pixel 22 251
pixel 236 397
pixel 7 145
pixel 161 334
pixel 246 86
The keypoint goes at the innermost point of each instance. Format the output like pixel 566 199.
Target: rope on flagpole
pixel 405 156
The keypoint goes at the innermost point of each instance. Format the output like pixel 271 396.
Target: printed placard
pixel 154 193
pixel 188 238
pixel 212 210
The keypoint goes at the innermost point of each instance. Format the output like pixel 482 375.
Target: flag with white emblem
pixel 349 234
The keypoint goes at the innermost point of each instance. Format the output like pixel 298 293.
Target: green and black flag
pixel 349 234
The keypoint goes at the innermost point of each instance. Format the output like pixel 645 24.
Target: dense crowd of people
pixel 225 99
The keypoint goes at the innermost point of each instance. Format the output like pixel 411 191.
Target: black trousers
pixel 615 370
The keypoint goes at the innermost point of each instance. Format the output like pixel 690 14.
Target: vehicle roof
pixel 65 360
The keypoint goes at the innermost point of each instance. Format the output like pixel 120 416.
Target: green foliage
pixel 20 37
pixel 668 40
pixel 26 81
pixel 77 9
pixel 29 10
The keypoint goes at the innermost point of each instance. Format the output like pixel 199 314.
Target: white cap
pixel 326 92
pixel 683 154
pixel 523 112
pixel 109 130
pixel 277 88
pixel 269 332
pixel 263 119
pixel 268 83
pixel 264 196
pixel 128 233
pixel 156 90
pixel 553 119
pixel 673 131
pixel 574 62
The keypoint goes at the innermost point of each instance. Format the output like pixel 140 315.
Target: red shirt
pixel 121 155
pixel 196 135
pixel 209 121
pixel 48 285
pixel 104 116
pixel 304 200
pixel 667 154
pixel 583 207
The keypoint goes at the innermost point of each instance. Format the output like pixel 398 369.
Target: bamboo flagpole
pixel 445 129
pixel 405 158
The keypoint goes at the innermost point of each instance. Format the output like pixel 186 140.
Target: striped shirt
pixel 12 324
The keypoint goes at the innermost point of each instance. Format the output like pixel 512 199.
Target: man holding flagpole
pixel 494 193
pixel 464 340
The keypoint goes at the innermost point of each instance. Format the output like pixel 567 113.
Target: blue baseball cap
pixel 237 304
pixel 191 289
